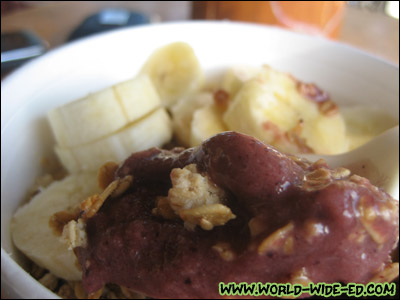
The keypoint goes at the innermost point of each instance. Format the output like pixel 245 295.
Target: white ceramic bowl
pixel 71 71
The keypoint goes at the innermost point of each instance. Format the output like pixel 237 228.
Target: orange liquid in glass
pixel 322 18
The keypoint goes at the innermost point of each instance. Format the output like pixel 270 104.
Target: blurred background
pixel 372 26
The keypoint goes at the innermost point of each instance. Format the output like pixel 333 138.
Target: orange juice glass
pixel 321 18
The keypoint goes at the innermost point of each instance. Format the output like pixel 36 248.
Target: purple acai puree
pixel 315 224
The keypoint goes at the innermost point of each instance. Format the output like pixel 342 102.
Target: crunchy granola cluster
pixel 195 199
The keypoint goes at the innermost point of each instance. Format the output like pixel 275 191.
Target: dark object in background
pixel 8 7
pixel 18 47
pixel 108 19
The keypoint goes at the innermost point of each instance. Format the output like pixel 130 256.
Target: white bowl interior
pixel 350 76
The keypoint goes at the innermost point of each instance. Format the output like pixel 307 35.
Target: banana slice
pixel 326 135
pixel 259 102
pixel 270 107
pixel 235 77
pixel 175 72
pixel 207 121
pixel 104 112
pixel 33 235
pixel 153 130
pixel 182 114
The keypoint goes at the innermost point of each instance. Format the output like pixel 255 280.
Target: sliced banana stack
pixel 103 112
pixel 32 233
pixel 175 72
pixel 270 107
pixel 153 130
pixel 109 125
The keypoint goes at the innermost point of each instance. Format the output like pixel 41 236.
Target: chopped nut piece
pixel 61 218
pixel 123 185
pixel 357 236
pixel 256 226
pixel 110 189
pixel 317 179
pixel 300 277
pixel 105 174
pixel 288 245
pixel 163 209
pixel 340 173
pixel 116 188
pixel 207 216
pixel 225 251
pixel 195 199
pixel 95 295
pixel 191 189
pixel 91 205
pixel 320 174
pixel 301 161
pixel 276 240
pixel 315 229
pixel 320 163
pixel 388 274
pixel 358 179
pixel 205 224
pixel 74 234
pixel 367 218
